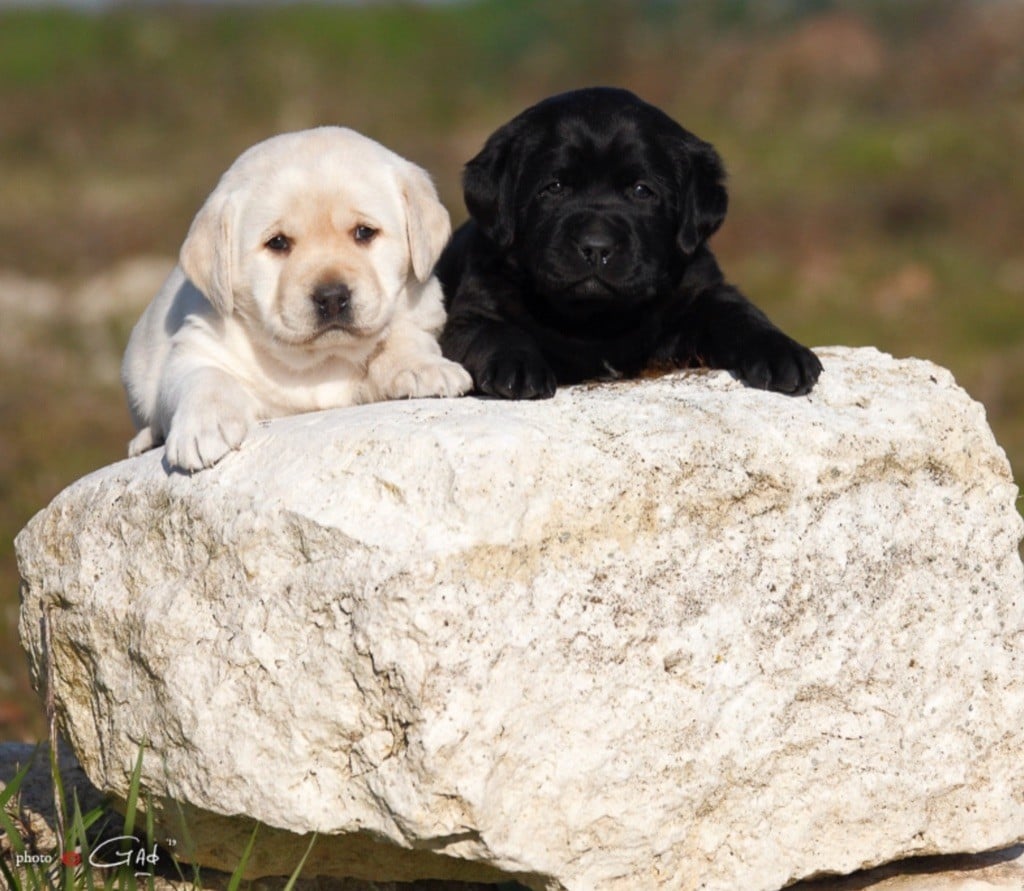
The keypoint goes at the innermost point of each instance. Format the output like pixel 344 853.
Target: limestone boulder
pixel 662 634
pixel 32 813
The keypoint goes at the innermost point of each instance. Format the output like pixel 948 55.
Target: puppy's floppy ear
pixel 207 253
pixel 488 185
pixel 427 223
pixel 704 199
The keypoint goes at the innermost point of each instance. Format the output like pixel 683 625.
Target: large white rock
pixel 667 634
pixel 32 810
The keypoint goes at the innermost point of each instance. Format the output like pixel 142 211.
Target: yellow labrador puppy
pixel 305 282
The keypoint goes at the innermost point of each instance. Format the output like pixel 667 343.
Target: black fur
pixel 585 256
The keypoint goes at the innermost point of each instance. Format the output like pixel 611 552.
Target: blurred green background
pixel 873 147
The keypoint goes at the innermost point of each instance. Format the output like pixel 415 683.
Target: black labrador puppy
pixel 586 256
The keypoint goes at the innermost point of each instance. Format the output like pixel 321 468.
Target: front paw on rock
pixel 198 442
pixel 780 364
pixel 440 378
pixel 517 376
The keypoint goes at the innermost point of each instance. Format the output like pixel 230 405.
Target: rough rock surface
pixel 994 871
pixel 673 634
pixel 32 811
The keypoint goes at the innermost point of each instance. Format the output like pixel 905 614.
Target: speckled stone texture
pixel 663 634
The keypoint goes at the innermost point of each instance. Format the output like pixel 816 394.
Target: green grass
pixel 80 863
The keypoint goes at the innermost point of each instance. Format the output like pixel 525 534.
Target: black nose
pixel 331 301
pixel 596 248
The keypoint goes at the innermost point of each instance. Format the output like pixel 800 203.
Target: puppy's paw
pixel 143 441
pixel 777 362
pixel 436 377
pixel 200 437
pixel 517 375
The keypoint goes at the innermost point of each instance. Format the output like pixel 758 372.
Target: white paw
pixel 143 441
pixel 201 437
pixel 436 377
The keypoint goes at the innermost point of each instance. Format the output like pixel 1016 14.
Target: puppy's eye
pixel 642 191
pixel 364 234
pixel 279 244
pixel 552 188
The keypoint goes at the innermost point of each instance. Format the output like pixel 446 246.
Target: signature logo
pixel 124 851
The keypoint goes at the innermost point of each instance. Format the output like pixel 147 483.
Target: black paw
pixel 777 362
pixel 516 375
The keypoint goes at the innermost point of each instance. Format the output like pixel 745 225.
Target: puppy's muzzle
pixel 333 303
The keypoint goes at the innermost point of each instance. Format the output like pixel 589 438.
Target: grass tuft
pixel 95 855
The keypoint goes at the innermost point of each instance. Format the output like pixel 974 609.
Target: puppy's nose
pixel 331 301
pixel 596 248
